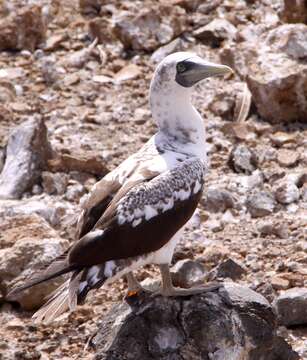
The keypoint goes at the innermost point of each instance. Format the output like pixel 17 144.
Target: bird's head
pixel 170 98
pixel 184 69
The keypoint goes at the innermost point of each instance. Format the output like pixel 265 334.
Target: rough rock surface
pixel 242 159
pixel 260 203
pixel 27 243
pixel 287 192
pixel 48 208
pixel 150 28
pixel 294 11
pixel 215 32
pixel 93 164
pixel 278 229
pixel 163 51
pixel 187 273
pixel 99 28
pixel 233 322
pixel 90 6
pixel 218 200
pixel 227 269
pixel 23 29
pixel 272 61
pixel 54 183
pixel 27 153
pixel 288 158
pixel 278 77
pixel 291 307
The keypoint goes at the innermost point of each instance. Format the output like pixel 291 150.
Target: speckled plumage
pixel 161 193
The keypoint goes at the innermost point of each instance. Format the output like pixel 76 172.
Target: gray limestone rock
pixel 187 273
pixel 218 200
pixel 227 269
pixel 242 160
pixel 163 51
pixel 287 192
pixel 260 203
pixel 231 323
pixel 27 153
pixel 149 28
pixel 54 183
pixel 280 230
pixel 278 82
pixel 291 307
pixel 49 209
pixel 215 32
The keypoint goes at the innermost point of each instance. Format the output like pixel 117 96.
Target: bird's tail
pixel 57 268
pixel 55 306
pixel 75 290
pixel 61 300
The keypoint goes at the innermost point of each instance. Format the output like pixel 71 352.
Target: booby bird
pixel 134 216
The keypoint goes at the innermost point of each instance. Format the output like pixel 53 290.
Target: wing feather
pixel 144 219
pixel 108 191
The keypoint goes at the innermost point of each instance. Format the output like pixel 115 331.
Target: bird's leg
pixel 134 286
pixel 169 290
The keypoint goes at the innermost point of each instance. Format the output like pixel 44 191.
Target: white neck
pixel 178 121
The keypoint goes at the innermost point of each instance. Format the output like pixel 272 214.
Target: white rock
pixel 50 210
pixel 260 203
pixel 287 193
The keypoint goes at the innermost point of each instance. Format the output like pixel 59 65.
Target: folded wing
pixel 144 219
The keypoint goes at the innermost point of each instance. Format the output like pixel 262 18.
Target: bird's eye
pixel 181 67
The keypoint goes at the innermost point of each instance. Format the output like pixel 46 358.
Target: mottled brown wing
pixel 143 220
pixel 125 241
pixel 106 194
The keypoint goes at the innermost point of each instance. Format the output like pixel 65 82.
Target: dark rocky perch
pixel 233 323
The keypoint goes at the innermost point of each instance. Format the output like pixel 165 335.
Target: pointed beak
pixel 210 69
pixel 197 69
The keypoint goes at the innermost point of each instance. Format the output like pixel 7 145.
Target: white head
pixel 180 71
pixel 170 94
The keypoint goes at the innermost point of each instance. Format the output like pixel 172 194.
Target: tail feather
pixel 94 277
pixel 73 291
pixel 70 294
pixel 55 306
pixel 54 270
